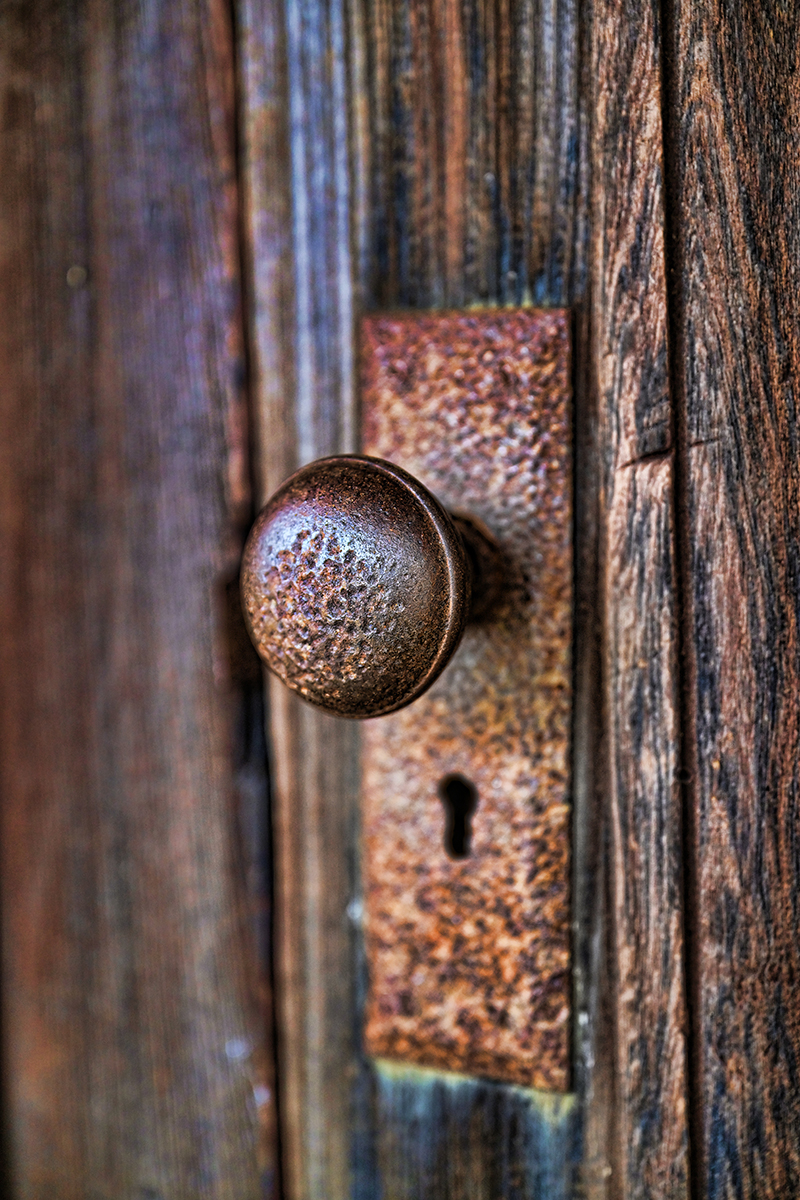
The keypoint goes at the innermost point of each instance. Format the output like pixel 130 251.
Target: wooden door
pixel 197 202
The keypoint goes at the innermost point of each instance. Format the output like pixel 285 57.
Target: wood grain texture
pixel 446 1135
pixel 315 782
pixel 469 152
pixel 641 685
pixel 517 108
pixel 735 192
pixel 297 205
pixel 129 1030
pixel 254 811
pixel 474 153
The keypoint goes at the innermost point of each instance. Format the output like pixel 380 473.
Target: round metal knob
pixel 356 585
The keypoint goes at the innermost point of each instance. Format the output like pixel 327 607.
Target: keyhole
pixel 460 800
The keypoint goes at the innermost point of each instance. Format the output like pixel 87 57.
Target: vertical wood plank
pixel 452 144
pixel 735 176
pixel 445 1135
pixel 253 810
pixel 494 87
pixel 468 185
pixel 475 153
pixel 129 1032
pixel 296 115
pixel 641 685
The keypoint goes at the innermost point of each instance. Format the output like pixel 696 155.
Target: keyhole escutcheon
pixel 460 799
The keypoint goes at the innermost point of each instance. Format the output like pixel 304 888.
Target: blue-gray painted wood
pixel 443 1136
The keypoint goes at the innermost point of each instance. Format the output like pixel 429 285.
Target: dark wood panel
pixel 641 686
pixel 735 209
pixel 252 794
pixel 130 1032
pixel 474 153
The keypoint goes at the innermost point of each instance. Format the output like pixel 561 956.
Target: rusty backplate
pixel 466 791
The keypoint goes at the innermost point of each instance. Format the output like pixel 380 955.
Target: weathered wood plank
pixel 476 163
pixel 129 1030
pixel 295 114
pixel 468 186
pixel 253 809
pixel 429 225
pixel 735 176
pixel 641 685
pixel 315 782
pixel 474 153
pixel 446 1135
pixel 641 660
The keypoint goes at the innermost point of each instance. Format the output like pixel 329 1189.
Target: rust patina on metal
pixel 469 956
pixel 356 585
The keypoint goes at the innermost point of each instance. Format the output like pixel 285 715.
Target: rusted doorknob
pixel 357 584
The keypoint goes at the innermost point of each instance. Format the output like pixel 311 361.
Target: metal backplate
pixel 469 956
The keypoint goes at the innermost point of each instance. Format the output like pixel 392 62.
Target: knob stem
pixel 484 563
